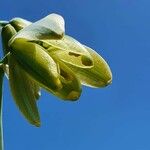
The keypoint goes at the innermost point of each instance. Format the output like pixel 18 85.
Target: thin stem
pixel 1 97
pixel 4 60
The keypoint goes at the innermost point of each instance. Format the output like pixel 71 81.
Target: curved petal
pixel 36 89
pixel 50 27
pixel 23 91
pixel 98 76
pixel 7 33
pixel 37 63
pixel 71 89
pixel 19 23
pixel 70 51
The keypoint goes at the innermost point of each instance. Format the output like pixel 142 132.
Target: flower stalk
pixel 1 107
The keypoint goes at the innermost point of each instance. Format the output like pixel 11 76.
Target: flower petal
pixel 71 89
pixel 37 63
pixel 7 33
pixel 23 92
pixel 50 27
pixel 98 76
pixel 70 51
pixel 36 89
pixel 19 23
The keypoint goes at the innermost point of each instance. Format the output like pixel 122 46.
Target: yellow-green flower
pixel 40 54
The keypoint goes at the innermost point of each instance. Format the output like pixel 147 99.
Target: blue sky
pixel 113 118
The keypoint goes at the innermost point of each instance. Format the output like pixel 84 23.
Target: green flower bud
pixel 70 87
pixel 41 55
pixel 71 58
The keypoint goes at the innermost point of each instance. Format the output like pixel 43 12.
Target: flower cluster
pixel 40 55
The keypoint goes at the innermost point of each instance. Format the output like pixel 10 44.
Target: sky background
pixel 113 118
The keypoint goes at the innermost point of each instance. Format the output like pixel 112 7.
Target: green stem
pixel 4 60
pixel 1 97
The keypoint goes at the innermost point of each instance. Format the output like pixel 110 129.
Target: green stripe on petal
pixel 98 76
pixel 69 51
pixel 37 63
pixel 22 90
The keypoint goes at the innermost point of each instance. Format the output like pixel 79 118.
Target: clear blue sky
pixel 113 118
